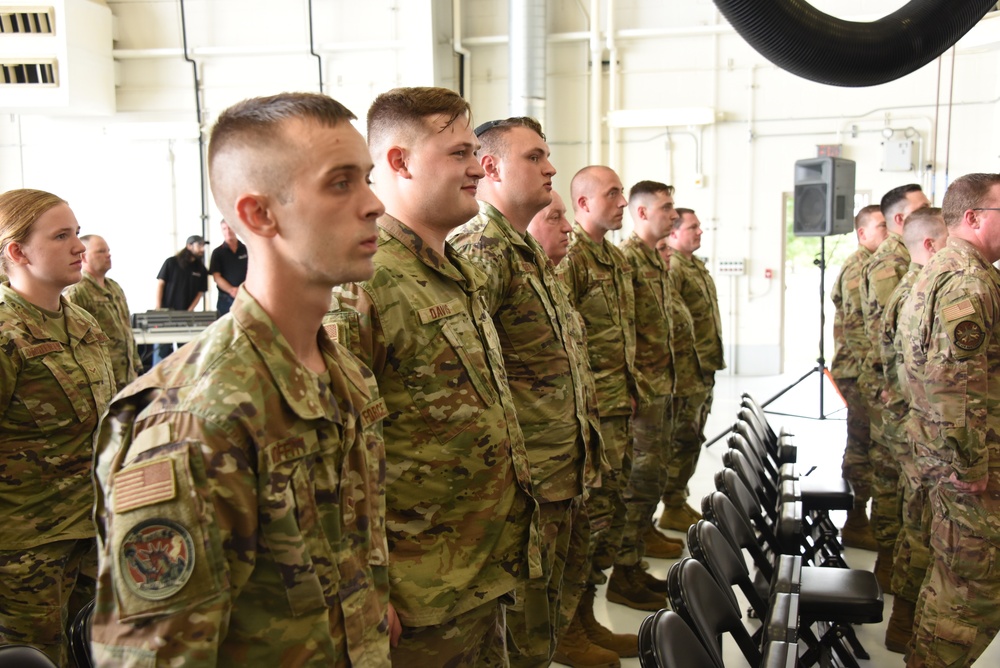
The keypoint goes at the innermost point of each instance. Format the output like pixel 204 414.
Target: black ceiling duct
pixel 798 38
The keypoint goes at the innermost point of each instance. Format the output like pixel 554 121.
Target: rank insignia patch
pixel 157 558
pixel 968 335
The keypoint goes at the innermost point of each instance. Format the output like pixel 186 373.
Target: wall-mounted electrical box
pixel 732 267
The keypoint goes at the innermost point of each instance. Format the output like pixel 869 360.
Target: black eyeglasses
pixel 487 126
pixel 985 208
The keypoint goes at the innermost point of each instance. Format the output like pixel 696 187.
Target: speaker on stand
pixel 824 205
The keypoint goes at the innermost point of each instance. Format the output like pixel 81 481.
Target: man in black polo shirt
pixel 228 267
pixel 182 281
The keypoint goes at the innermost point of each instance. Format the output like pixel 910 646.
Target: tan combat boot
pixel 627 586
pixel 899 630
pixel 679 518
pixel 659 546
pixel 576 650
pixel 625 645
pixel 857 531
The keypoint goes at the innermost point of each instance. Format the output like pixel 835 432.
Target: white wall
pixel 134 178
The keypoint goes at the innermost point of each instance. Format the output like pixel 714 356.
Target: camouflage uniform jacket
pixel 687 365
pixel 599 281
pixel 459 513
pixel 849 339
pixel 55 381
pixel 241 509
pixel 109 308
pixel 879 278
pixel 654 355
pixel 695 286
pixel 533 318
pixel 892 359
pixel 949 330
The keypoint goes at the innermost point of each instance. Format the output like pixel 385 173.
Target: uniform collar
pixel 299 387
pixel 651 254
pixel 452 265
pixel 77 327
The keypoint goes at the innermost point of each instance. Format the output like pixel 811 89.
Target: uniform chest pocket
pixel 528 319
pixel 54 394
pixel 292 523
pixel 448 378
pixel 600 294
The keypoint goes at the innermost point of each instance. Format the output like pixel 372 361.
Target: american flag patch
pixel 332 331
pixel 960 310
pixel 144 484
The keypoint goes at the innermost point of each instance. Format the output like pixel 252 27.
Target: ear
pixel 491 166
pixel 15 253
pixel 581 203
pixel 640 212
pixel 255 215
pixel 398 161
pixel 929 245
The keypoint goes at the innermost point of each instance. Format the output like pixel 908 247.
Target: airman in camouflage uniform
pixel 599 280
pixel 651 205
pixel 924 233
pixel 878 279
pixel 696 288
pixel 242 481
pixel 104 299
pixel 461 522
pixel 850 346
pixel 543 363
pixel 55 381
pixel 950 332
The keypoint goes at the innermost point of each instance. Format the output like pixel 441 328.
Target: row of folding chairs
pixel 799 587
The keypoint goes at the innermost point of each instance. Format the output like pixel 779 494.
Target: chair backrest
pixel 718 509
pixel 79 636
pixel 697 597
pixel 769 460
pixel 647 653
pixel 24 656
pixel 675 645
pixel 751 403
pixel 767 495
pixel 709 546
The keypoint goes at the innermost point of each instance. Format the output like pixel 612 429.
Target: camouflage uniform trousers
pixel 606 505
pixel 42 589
pixel 689 418
pixel 856 468
pixel 534 618
pixel 957 614
pixel 653 427
pixel 886 505
pixel 576 574
pixel 473 639
pixel 912 555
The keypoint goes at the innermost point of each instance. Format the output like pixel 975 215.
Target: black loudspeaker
pixel 824 197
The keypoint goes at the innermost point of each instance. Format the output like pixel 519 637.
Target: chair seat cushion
pixel 825 494
pixel 840 595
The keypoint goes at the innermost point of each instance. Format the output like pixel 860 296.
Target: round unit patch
pixel 968 335
pixel 157 558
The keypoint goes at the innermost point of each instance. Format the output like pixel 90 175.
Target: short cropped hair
pixel 648 188
pixel 865 213
pixel 964 193
pixel 925 222
pixel 491 133
pixel 406 110
pixel 892 200
pixel 253 123
pixel 681 212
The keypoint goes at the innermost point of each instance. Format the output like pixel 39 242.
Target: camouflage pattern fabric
pixel 545 366
pixel 849 339
pixel 576 574
pixel 856 466
pixel 42 590
pixel 598 278
pixel 108 306
pixel 689 403
pixel 949 330
pixel 55 381
pixel 475 638
pixel 694 284
pixel 850 347
pixel 532 317
pixel 461 521
pixel 606 504
pixel 241 508
pixel 653 423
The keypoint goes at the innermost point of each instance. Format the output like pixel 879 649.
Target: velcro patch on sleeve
pixel 958 310
pixel 333 331
pixel 144 484
pixel 884 272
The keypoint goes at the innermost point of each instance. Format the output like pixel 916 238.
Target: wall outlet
pixel 732 267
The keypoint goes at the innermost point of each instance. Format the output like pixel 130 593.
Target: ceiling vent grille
pixel 33 20
pixel 32 74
